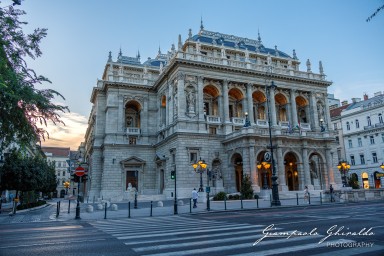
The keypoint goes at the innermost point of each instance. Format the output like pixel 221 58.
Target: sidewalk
pixel 144 208
pixel 67 211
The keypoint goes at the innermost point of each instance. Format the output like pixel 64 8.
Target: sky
pixel 81 34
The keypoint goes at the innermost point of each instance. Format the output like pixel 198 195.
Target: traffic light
pixel 173 175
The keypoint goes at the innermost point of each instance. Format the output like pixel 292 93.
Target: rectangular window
pixel 352 160
pixel 335 126
pixel 64 173
pixel 350 143
pixel 374 157
pixel 382 137
pixel 193 157
pixel 372 139
pixel 212 130
pixel 357 123
pixel 359 142
pixel 362 159
pixel 132 140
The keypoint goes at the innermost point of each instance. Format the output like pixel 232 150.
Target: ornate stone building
pixel 193 102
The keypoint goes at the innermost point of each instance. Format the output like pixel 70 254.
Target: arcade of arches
pixel 291 173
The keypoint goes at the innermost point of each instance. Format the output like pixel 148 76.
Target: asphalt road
pixel 349 229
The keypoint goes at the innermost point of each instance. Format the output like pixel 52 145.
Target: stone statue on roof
pixel 308 66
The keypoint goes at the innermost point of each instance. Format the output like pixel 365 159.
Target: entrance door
pixel 131 178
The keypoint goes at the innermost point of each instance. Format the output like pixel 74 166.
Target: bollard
pixel 321 200
pixel 57 209
pixel 105 211
pixel 241 201
pixel 225 202
pixel 309 198
pixel 129 209
pixel 87 198
pixel 1 203
pixel 257 201
pixel 190 205
pixel 151 210
pixel 297 198
pixel 69 205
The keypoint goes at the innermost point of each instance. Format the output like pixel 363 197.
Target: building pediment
pixel 133 161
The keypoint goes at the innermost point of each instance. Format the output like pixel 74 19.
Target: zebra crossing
pixel 177 236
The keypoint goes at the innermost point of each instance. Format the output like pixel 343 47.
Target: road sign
pixel 79 171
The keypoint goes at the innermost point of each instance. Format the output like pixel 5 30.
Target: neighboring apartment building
pixel 360 128
pixel 59 155
pixel 151 118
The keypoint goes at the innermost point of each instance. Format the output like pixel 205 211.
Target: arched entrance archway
pixel 264 171
pixel 291 173
pixel 365 178
pixel 316 168
pixel 237 161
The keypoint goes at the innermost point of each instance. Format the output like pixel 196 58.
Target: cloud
pixel 69 135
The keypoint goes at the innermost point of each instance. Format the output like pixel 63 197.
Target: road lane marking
pixel 53 243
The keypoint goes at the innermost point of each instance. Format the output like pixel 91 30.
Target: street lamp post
pixel 275 191
pixel 199 167
pixel 265 166
pixel 343 167
pixel 66 185
pixel 382 166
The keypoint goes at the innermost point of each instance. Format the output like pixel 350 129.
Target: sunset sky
pixel 81 33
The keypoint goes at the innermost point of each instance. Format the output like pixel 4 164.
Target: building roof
pixel 236 42
pixel 56 151
pixel 337 111
pixel 368 103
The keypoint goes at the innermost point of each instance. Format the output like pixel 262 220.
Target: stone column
pixel 200 98
pixel 307 174
pixel 170 105
pixel 182 104
pixel 333 178
pixel 250 103
pixel 252 164
pixel 314 115
pixel 281 170
pixel 272 106
pixel 300 171
pixel 226 102
pixel 327 114
pixel 293 109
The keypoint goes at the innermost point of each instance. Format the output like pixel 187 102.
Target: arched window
pixel 369 120
pixel 132 114
pixel 348 126
pixel 357 123
pixel 380 118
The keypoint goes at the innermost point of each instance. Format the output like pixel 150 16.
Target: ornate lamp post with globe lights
pixel 343 167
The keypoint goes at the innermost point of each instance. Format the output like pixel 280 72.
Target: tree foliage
pixel 27 173
pixel 246 188
pixel 24 109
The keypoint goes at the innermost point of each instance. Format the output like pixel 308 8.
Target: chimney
pixel 354 100
pixel 365 96
pixel 344 102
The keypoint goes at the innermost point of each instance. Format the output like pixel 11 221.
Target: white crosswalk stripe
pixel 177 235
